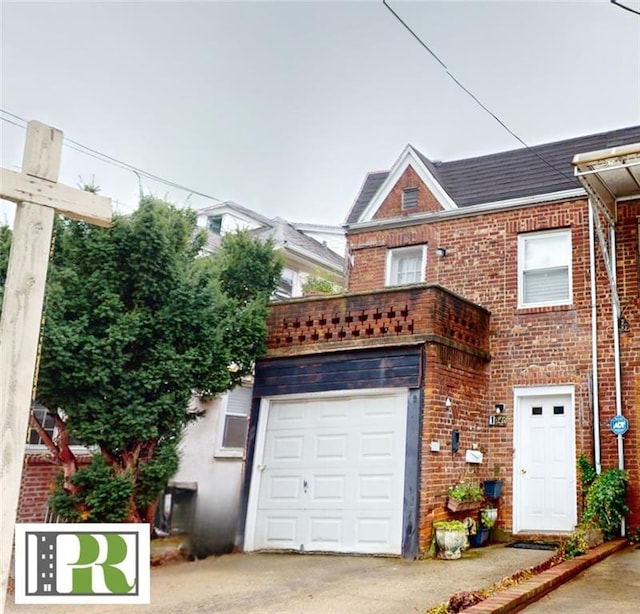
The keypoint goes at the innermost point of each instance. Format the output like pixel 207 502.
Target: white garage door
pixel 329 474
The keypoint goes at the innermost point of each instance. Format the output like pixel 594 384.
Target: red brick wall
pixel 629 293
pixel 394 316
pixel 38 477
pixel 392 206
pixel 543 346
pixel 463 378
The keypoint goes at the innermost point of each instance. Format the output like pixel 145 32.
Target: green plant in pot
pixel 451 538
pixel 488 517
pixel 464 496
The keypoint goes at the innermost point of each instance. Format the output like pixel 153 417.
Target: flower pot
pixel 450 543
pixel 488 516
pixel 480 538
pixel 493 489
pixel 462 506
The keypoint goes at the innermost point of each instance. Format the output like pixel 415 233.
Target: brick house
pixel 484 311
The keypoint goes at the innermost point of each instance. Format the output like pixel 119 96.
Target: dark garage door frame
pixel 388 367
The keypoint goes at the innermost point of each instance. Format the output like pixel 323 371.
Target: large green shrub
pixel 605 505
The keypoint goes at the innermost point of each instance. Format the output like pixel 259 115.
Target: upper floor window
pixel 409 198
pixel 288 285
pixel 214 224
pixel 406 265
pixel 544 268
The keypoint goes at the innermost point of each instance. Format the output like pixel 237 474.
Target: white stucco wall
pixel 218 478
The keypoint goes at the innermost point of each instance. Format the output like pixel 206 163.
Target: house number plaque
pixel 498 420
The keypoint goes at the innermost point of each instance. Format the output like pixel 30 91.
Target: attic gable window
pixel 406 265
pixel 409 198
pixel 544 269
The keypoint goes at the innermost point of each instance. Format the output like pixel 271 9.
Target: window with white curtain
pixel 544 268
pixel 406 265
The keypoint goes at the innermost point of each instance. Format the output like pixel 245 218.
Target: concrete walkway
pixel 606 579
pixel 611 586
pixel 313 584
pixel 515 599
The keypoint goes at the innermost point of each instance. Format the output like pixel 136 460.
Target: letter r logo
pixel 92 559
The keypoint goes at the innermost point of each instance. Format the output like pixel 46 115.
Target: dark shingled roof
pixel 507 174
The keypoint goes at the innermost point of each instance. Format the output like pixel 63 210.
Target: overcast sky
pixel 284 107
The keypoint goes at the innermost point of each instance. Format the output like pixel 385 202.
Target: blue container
pixel 480 538
pixel 493 489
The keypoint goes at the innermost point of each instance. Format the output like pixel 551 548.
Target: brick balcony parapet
pixel 393 316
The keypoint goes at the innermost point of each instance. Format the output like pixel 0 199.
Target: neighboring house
pixel 204 495
pixel 203 498
pixel 39 471
pixel 332 237
pixel 491 306
pixel 307 249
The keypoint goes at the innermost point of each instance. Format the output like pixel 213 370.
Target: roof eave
pixel 470 210
pixel 408 157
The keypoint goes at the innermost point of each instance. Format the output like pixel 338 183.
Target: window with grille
pixel 409 198
pixel 46 420
pixel 406 265
pixel 544 269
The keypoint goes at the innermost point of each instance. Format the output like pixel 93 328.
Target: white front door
pixel 329 474
pixel 544 464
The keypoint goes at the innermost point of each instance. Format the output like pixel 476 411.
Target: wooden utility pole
pixel 38 196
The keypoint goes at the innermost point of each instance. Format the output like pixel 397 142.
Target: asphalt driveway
pixel 313 584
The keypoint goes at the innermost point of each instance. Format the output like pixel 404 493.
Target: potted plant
pixel 451 538
pixel 493 488
pixel 488 517
pixel 464 496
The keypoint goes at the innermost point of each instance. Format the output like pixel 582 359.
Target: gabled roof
pixel 283 233
pixel 229 205
pixel 505 175
pixel 286 236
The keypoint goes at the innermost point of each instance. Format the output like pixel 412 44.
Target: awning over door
pixel 610 175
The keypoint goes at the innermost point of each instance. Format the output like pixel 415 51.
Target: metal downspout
pixel 616 350
pixel 595 395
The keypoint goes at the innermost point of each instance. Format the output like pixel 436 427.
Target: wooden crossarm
pixel 74 203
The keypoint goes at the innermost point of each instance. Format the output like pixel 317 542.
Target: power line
pixel 12 122
pixel 475 98
pixel 98 155
pixel 626 8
